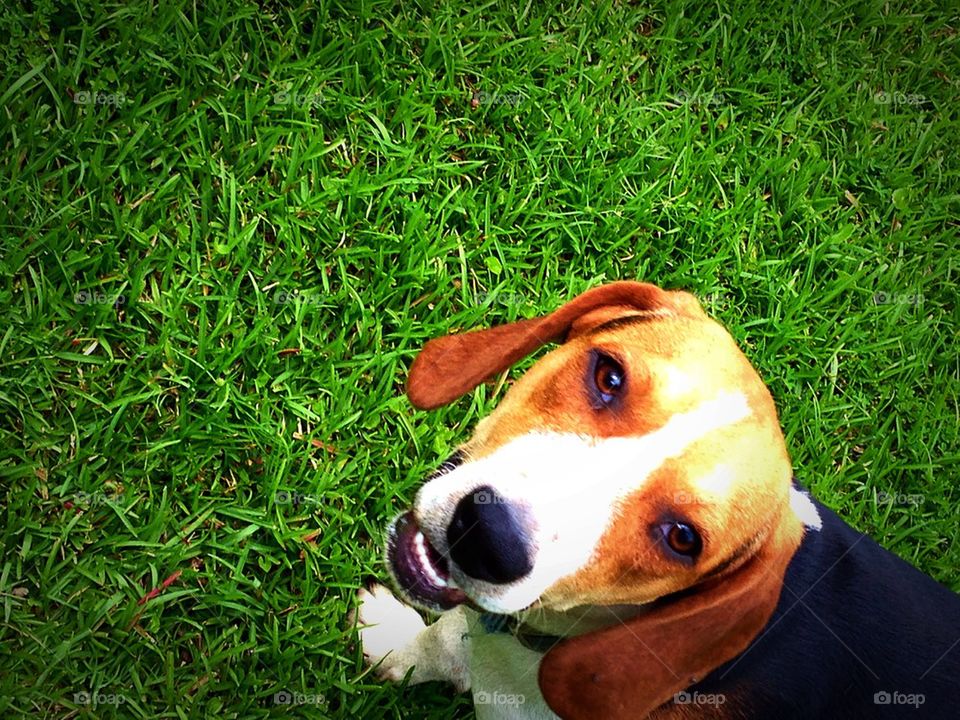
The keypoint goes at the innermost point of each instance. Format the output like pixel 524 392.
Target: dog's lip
pixel 419 568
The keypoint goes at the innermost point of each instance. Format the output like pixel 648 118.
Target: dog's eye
pixel 608 377
pixel 682 538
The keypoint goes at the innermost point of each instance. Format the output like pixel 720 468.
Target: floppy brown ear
pixel 626 671
pixel 450 366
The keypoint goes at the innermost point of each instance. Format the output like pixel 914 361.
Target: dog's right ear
pixel 629 669
pixel 451 366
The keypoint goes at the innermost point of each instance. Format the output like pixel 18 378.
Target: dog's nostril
pixel 486 540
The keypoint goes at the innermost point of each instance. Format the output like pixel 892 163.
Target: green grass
pixel 190 190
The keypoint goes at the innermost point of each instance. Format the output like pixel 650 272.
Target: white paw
pixel 388 629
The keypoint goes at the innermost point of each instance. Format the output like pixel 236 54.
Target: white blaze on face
pixel 566 488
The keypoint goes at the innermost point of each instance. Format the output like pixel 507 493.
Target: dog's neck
pixel 539 629
pixel 576 621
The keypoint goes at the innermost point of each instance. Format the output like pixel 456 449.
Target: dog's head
pixel 640 463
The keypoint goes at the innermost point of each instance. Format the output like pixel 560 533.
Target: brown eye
pixel 608 378
pixel 682 538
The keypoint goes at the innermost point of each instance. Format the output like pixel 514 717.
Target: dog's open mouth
pixel 419 568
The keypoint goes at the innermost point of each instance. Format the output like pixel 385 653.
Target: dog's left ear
pixel 625 671
pixel 450 366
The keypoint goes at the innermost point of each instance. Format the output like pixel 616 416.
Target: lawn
pixel 228 227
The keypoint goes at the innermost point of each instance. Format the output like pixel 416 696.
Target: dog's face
pixel 640 458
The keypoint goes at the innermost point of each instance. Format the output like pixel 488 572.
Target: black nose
pixel 485 538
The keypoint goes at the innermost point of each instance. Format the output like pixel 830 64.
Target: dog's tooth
pixel 424 558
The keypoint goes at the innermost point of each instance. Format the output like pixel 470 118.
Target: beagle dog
pixel 622 538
